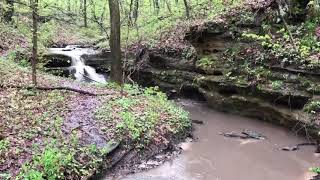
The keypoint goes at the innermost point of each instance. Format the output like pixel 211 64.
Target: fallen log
pixel 55 88
pixel 195 121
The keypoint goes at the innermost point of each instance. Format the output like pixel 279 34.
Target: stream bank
pixel 232 63
pixel 212 156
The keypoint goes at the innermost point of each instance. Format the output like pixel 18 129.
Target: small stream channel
pixel 215 157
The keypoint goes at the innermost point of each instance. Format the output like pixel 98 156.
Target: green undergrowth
pixel 31 124
pixel 143 116
pixel 312 107
pixel 301 51
pixel 35 145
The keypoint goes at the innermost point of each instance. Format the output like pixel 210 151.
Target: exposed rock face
pixel 219 73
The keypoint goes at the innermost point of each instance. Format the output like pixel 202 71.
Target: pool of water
pixel 215 157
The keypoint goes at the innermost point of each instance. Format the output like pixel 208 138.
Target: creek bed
pixel 212 156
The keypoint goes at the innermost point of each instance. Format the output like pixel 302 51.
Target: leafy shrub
pixel 312 107
pixel 205 62
pixel 276 85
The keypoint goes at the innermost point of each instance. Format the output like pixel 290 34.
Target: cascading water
pixel 78 69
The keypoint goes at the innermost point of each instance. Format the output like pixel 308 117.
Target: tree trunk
pixel 69 5
pixel 186 5
pixel 1 11
pixel 157 6
pixel 9 10
pixel 136 11
pixel 116 64
pixel 130 13
pixel 34 40
pixel 168 6
pixel 85 13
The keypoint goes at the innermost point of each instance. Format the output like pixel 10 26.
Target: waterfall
pixel 78 69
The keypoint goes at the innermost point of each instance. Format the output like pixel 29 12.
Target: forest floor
pixel 62 133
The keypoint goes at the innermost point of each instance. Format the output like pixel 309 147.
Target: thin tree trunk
pixel 34 41
pixel 85 13
pixel 130 13
pixel 81 6
pixel 116 64
pixel 136 11
pixel 157 6
pixel 69 5
pixel 1 11
pixel 8 14
pixel 168 6
pixel 186 5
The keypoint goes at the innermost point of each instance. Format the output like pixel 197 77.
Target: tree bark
pixel 157 6
pixel 130 12
pixel 168 6
pixel 136 11
pixel 186 5
pixel 69 5
pixel 116 64
pixel 34 41
pixel 8 14
pixel 85 13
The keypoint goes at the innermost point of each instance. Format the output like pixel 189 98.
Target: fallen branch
pixel 55 88
pixel 195 121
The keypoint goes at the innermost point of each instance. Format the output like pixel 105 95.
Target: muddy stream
pixel 214 157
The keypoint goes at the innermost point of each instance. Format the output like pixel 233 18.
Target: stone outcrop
pixel 228 82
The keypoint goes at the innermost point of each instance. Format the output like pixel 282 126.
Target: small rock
pixel 142 166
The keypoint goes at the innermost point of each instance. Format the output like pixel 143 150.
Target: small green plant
pixel 315 170
pixel 33 175
pixel 312 107
pixel 51 162
pixel 276 85
pixel 205 62
pixel 5 176
pixel 131 89
pixel 4 144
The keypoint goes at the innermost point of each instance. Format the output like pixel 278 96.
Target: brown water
pixel 214 157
